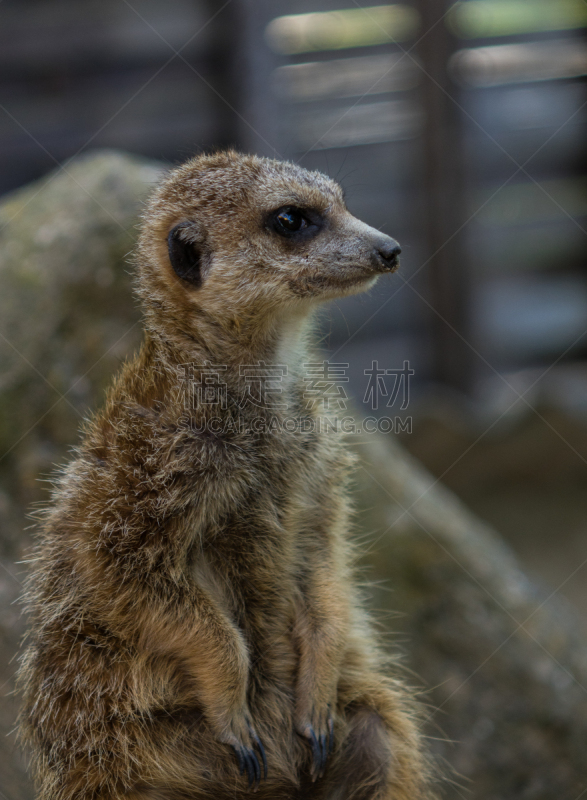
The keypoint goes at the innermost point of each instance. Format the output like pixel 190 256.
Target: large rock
pixel 504 668
pixel 66 315
pixel 504 665
pixel 67 320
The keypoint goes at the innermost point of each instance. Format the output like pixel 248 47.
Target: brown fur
pixel 187 580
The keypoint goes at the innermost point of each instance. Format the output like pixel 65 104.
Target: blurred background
pixel 459 128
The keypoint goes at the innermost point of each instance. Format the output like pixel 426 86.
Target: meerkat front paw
pixel 317 728
pixel 243 739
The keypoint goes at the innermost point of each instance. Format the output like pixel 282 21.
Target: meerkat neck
pixel 292 341
pixel 285 341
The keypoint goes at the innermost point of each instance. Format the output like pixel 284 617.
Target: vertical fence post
pixel 252 67
pixel 448 278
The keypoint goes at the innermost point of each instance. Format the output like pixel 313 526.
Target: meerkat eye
pixel 289 220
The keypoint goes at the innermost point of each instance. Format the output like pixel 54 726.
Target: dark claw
pixel 240 758
pixel 261 749
pixel 250 769
pixel 330 733
pixel 249 761
pixel 323 753
pixel 256 769
pixel 322 745
pixel 315 751
pixel 263 756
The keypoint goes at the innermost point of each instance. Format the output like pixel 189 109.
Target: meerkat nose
pixel 388 251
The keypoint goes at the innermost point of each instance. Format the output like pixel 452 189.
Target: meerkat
pixel 196 631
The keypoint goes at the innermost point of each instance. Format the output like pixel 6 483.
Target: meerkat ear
pixel 184 244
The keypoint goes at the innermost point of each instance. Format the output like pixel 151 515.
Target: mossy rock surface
pixel 67 321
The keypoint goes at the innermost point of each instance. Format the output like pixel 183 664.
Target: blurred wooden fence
pixel 458 129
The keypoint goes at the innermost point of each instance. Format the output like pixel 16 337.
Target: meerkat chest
pixel 250 556
pixel 254 554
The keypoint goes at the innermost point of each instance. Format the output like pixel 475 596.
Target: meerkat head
pixel 234 239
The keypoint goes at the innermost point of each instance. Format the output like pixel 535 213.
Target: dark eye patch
pixel 292 222
pixel 185 255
